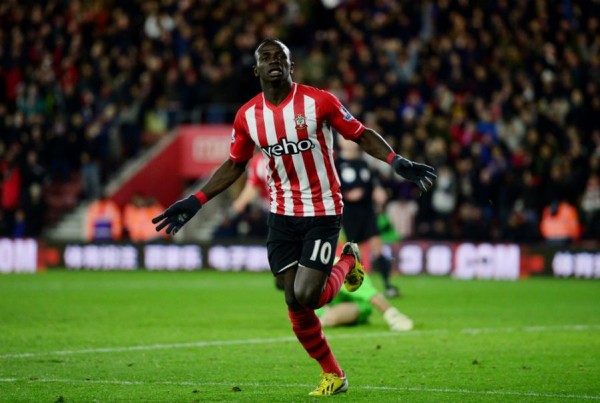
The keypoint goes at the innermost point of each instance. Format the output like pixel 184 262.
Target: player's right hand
pixel 177 215
pixel 421 174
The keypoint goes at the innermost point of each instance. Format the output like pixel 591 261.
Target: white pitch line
pixel 286 339
pixel 530 329
pixel 299 385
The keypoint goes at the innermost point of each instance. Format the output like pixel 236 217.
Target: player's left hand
pixel 177 215
pixel 421 174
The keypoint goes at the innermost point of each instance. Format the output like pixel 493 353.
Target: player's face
pixel 273 63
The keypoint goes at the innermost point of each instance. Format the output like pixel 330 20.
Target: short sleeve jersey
pixel 296 138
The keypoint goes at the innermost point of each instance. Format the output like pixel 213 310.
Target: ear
pixel 292 64
pixel 255 70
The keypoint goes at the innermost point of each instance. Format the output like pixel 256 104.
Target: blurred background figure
pixel 90 177
pixel 363 197
pixel 10 178
pixel 103 220
pixel 256 189
pixel 443 203
pixel 247 216
pixel 590 205
pixel 560 223
pixel 137 219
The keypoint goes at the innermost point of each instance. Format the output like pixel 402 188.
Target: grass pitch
pixel 210 336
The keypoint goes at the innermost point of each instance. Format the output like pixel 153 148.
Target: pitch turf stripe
pixel 299 385
pixel 286 339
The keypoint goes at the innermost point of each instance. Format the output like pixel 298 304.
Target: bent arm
pixel 223 177
pixel 373 144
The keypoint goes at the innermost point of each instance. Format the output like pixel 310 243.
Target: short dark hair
pixel 273 41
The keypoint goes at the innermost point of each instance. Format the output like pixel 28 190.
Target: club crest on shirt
pixel 300 122
pixel 233 136
pixel 347 115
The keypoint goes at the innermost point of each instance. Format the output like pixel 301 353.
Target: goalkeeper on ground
pixel 355 308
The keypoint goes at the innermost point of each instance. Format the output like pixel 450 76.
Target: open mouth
pixel 275 72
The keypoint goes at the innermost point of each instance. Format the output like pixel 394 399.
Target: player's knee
pixel 308 297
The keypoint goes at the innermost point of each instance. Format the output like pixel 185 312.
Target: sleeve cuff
pixel 201 197
pixel 390 157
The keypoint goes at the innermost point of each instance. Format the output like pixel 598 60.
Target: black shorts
pixel 309 241
pixel 360 223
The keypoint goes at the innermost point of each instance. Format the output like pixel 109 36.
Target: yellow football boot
pixel 356 275
pixel 331 384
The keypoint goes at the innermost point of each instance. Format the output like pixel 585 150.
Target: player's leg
pixel 383 265
pixel 284 252
pixel 319 243
pixel 316 266
pixel 309 285
pixel 284 246
pixel 307 328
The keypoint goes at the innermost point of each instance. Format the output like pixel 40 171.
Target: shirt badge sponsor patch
pixel 347 115
pixel 300 122
pixel 233 136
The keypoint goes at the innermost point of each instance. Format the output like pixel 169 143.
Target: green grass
pixel 210 336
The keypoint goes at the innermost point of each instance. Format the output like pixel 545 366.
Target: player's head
pixel 273 61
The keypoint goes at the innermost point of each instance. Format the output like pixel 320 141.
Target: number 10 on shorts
pixel 321 250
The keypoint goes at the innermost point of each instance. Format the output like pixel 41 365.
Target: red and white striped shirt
pixel 296 139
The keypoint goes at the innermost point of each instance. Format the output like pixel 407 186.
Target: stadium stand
pixel 502 96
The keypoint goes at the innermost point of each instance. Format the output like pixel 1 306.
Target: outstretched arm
pixel 422 175
pixel 180 212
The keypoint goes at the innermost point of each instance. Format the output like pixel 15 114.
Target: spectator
pixel 137 219
pixel 227 229
pixel 20 225
pixel 443 202
pixel 10 190
pixel 519 217
pixel 103 220
pixel 590 205
pixel 34 208
pixel 560 223
pixel 90 177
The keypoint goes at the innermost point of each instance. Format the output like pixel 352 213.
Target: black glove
pixel 177 214
pixel 421 174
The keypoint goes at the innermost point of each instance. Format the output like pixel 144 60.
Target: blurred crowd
pixel 502 97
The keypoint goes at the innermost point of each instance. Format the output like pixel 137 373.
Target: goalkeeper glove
pixel 177 215
pixel 397 321
pixel 422 175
